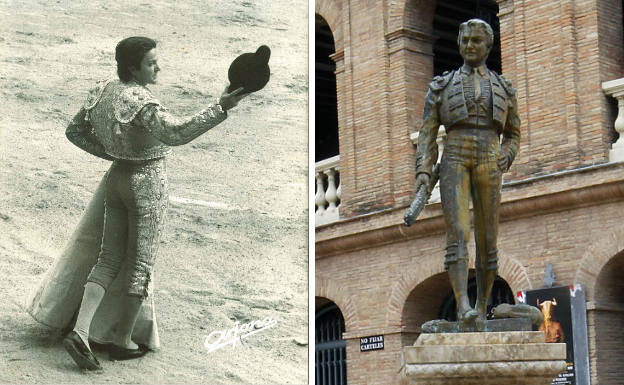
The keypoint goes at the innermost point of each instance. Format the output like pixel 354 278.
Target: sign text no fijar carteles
pixel 371 343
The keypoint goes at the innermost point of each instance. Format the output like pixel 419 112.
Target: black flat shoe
pixel 117 353
pixel 80 352
pixel 98 346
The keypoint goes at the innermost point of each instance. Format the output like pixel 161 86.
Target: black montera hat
pixel 250 71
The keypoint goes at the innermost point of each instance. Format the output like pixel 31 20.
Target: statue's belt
pixel 471 127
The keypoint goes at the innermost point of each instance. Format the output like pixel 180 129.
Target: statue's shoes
pixel 480 324
pixel 468 316
pixel 118 353
pixel 80 352
pixel 467 321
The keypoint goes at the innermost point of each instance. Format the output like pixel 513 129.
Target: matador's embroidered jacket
pixel 449 102
pixel 124 121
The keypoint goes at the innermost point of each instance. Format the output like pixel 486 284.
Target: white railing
pixel 328 190
pixel 329 187
pixel 615 88
pixel 435 194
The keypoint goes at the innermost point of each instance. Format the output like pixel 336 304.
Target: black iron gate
pixel 331 349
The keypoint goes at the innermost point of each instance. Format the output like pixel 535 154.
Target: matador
pixel 477 107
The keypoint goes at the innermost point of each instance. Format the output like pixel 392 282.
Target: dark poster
pixel 563 309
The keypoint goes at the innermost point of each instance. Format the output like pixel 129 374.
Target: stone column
pixel 493 358
pixel 410 63
pixel 327 200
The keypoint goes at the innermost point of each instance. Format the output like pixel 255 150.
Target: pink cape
pixel 59 294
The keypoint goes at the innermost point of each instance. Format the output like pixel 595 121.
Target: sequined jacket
pixel 124 121
pixel 445 104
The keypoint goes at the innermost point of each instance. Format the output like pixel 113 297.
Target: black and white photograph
pixel 154 192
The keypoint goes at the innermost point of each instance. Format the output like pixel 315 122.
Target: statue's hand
pixel 408 219
pixel 503 162
pixel 417 205
pixel 421 179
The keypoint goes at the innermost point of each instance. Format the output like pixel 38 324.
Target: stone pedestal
pixel 492 358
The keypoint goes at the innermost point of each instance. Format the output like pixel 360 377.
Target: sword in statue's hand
pixel 423 193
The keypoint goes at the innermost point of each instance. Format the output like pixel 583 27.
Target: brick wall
pixel 366 367
pixel 557 53
pixel 396 287
pixel 611 43
pixel 607 315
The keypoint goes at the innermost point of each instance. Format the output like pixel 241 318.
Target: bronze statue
pixel 476 106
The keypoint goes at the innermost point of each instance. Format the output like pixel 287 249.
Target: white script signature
pixel 219 338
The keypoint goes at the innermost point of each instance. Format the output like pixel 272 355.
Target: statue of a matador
pixel 476 106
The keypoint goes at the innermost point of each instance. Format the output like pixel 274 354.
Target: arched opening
pixel 434 299
pixel 330 348
pixel 501 293
pixel 423 302
pixel 326 111
pixel 608 320
pixel 446 20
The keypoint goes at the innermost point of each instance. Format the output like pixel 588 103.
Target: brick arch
pixel 330 289
pixel 596 256
pixel 331 12
pixel 509 269
pixel 418 14
pixel 514 273
pixel 427 267
pixel 411 14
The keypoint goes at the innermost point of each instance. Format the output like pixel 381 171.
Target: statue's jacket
pixel 125 121
pixel 445 104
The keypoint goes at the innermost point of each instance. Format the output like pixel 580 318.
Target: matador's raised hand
pixel 230 100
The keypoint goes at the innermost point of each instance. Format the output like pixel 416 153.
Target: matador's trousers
pixel 469 169
pixel 135 205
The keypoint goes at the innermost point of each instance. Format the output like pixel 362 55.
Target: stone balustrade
pixel 328 190
pixel 615 88
pixel 435 194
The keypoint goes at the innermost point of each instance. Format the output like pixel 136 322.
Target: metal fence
pixel 331 349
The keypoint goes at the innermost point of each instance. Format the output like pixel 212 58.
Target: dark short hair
pixel 129 53
pixel 477 23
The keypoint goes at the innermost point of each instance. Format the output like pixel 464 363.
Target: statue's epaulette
pixel 439 82
pixel 95 94
pixel 506 84
pixel 130 101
